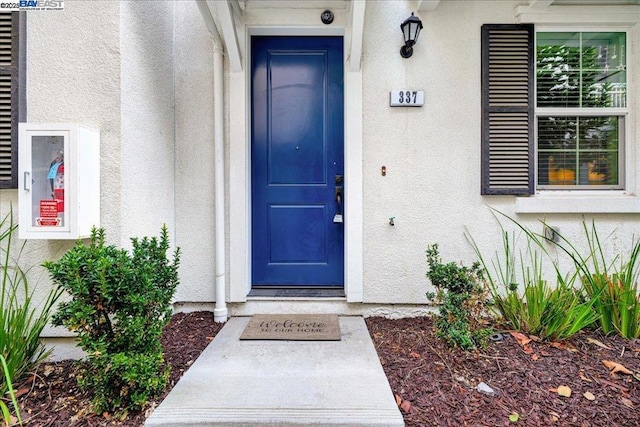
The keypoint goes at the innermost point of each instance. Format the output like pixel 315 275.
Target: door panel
pixel 296 154
pixel 297 234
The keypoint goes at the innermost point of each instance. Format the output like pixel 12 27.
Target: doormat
pixel 293 327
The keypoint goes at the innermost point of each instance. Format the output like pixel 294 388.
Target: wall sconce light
pixel 410 30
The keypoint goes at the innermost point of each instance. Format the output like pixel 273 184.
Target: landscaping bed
pixel 433 384
pixel 53 397
pixel 437 385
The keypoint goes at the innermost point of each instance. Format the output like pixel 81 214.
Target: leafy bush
pixel 549 312
pixel 119 304
pixel 21 319
pixel 461 292
pixel 612 284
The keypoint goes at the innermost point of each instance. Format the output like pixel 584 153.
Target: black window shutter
pixel 507 109
pixel 12 97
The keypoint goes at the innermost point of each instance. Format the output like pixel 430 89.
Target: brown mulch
pixel 53 398
pixel 433 385
pixel 438 386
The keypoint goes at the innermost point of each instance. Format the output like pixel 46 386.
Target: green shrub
pixel 461 292
pixel 613 284
pixel 549 312
pixel 21 319
pixel 119 304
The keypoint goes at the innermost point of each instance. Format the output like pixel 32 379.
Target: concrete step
pixel 283 383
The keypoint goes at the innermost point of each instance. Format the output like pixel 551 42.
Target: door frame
pixel 239 178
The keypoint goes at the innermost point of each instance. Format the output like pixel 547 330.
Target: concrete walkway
pixel 283 383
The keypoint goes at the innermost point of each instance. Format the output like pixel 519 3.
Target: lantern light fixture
pixel 410 31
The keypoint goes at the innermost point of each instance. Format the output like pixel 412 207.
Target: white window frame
pixel 624 183
pixel 587 18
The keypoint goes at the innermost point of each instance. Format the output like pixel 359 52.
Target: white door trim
pixel 240 170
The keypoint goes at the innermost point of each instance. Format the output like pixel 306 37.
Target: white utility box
pixel 58 180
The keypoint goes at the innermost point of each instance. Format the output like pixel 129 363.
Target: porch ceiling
pixel 609 12
pixel 229 15
pixel 293 4
pixel 423 5
pixel 584 2
pixel 429 5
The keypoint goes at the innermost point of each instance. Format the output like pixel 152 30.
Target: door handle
pixel 337 219
pixel 338 191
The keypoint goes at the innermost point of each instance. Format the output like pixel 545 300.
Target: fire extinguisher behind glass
pixel 56 180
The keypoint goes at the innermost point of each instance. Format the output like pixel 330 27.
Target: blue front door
pixel 297 161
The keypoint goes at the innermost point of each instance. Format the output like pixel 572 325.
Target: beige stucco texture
pixel 142 73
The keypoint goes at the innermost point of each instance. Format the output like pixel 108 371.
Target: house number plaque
pixel 406 98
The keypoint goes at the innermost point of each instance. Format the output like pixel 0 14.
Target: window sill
pixel 578 202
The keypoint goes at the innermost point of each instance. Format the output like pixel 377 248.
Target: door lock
pixel 338 194
pixel 338 191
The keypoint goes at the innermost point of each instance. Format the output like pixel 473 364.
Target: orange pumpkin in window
pixel 559 176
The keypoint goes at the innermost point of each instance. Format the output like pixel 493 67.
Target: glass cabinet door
pixel 58 180
pixel 45 181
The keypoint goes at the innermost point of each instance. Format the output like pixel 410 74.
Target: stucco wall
pixel 167 115
pixel 148 130
pixel 73 75
pixel 432 154
pixel 195 225
pixel 141 72
pixel 111 65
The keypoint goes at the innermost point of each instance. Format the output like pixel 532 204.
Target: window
pixel 581 106
pixel 563 129
pixel 12 94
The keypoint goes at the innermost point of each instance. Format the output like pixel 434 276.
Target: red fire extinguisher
pixel 58 188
